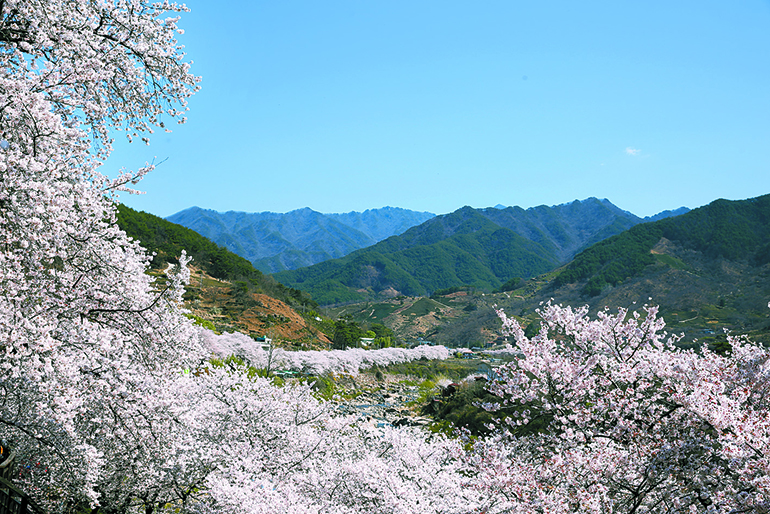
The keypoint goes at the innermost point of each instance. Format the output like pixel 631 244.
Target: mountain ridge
pixel 479 247
pixel 723 228
pixel 302 237
pixel 708 271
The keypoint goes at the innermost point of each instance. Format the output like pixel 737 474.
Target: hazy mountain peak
pixel 276 241
pixel 667 214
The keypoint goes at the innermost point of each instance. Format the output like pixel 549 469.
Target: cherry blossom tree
pixel 109 403
pixel 608 415
pixel 282 449
pixel 99 65
pixel 349 361
pixel 87 339
pixel 105 393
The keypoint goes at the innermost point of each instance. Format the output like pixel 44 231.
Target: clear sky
pixel 432 105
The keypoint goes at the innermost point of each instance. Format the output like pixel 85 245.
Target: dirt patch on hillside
pixel 416 326
pixel 232 307
pixel 274 317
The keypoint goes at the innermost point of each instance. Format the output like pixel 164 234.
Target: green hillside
pixel 732 230
pixel 167 240
pixel 465 248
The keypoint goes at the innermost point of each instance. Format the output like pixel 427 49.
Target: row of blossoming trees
pixel 95 401
pixel 349 361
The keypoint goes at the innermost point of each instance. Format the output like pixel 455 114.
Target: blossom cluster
pixel 109 402
pixel 633 422
pixel 507 351
pixel 349 361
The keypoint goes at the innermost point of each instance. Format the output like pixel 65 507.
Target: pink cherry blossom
pixel 634 424
pixel 109 401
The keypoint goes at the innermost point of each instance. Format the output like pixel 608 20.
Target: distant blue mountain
pixel 285 241
pixel 667 214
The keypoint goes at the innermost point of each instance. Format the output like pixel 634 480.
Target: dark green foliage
pixel 613 260
pixel 718 344
pixel 510 285
pixel 461 410
pixel 532 329
pixel 381 330
pixel 453 369
pixel 418 262
pixel 734 230
pixel 167 240
pixel 446 291
pixel 762 255
pixel 323 386
pixel 347 334
pixel 202 322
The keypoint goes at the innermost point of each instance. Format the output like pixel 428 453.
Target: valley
pixel 701 292
pixel 555 359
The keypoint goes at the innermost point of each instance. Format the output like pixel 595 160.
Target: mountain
pixel 478 247
pixel 382 223
pixel 567 228
pixel 275 242
pixel 667 214
pixel 167 240
pixel 225 292
pixel 707 269
pixel 723 229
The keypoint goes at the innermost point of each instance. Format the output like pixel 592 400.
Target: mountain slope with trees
pixel 731 230
pixel 167 240
pixel 483 248
pixel 282 241
pixel 707 270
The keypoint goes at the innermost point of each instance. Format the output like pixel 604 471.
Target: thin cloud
pixel 632 151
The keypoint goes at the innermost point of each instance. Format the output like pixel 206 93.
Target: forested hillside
pixel 482 248
pixel 465 248
pixel 733 230
pixel 167 240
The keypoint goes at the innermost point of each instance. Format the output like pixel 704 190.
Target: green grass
pixel 210 282
pixel 381 311
pixel 373 313
pixel 422 307
pixel 670 261
pixel 452 369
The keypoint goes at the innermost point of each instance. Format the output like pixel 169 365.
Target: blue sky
pixel 433 105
